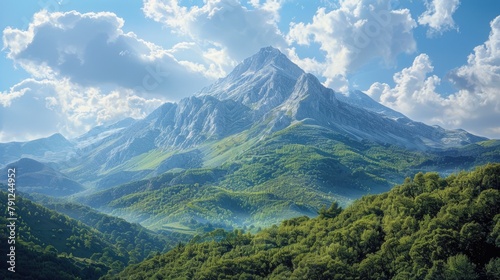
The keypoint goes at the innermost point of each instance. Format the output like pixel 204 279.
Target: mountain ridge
pixel 276 145
pixel 53 148
pixel 266 89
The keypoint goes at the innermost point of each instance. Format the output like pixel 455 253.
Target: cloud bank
pixel 91 49
pixel 86 71
pixel 352 35
pixel 38 108
pixel 475 106
pixel 222 27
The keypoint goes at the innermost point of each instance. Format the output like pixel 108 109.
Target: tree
pixel 51 250
pixel 331 212
pixel 459 267
pixel 493 269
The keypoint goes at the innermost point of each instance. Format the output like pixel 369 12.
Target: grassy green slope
pixel 287 174
pixel 426 228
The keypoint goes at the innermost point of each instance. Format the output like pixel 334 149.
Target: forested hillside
pixel 131 237
pixel 427 228
pixel 50 245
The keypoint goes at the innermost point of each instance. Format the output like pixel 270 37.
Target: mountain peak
pixel 268 59
pixel 266 55
pixel 261 81
pixel 269 51
pixel 268 80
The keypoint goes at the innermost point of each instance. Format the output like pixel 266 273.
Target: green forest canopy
pixel 427 228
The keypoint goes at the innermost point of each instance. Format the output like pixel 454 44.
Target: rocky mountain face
pixel 362 100
pixel 280 93
pixel 268 88
pixel 261 82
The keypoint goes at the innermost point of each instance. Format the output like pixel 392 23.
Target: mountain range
pixel 265 143
pixel 53 148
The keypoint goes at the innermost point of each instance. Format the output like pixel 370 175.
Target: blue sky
pixel 69 65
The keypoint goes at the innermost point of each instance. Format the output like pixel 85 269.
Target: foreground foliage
pixel 427 228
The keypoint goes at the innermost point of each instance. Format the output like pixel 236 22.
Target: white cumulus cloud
pixel 482 71
pixel 38 108
pixel 439 16
pixel 91 49
pixel 353 34
pixel 87 71
pixel 414 93
pixel 475 106
pixel 221 25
